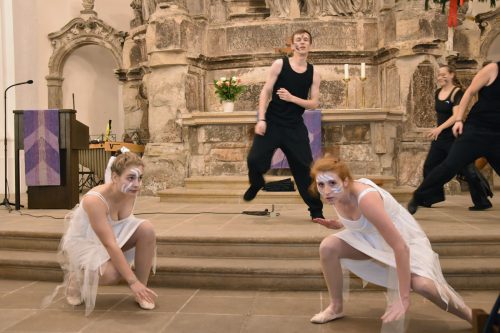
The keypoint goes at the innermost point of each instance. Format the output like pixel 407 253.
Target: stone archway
pixel 84 30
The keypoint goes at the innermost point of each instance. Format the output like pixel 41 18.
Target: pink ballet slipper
pixel 325 316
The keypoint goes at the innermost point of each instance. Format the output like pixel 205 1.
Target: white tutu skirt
pixel 82 255
pixel 381 268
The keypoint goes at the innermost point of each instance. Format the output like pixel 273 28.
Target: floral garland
pixel 454 4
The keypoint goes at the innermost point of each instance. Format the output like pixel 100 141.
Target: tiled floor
pixel 226 311
pixel 217 311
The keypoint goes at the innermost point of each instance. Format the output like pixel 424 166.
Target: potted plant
pixel 228 89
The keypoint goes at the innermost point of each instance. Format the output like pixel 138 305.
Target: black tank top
pixel 444 110
pixel 486 112
pixel 285 113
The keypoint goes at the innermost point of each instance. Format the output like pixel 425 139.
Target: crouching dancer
pixel 104 238
pixel 381 243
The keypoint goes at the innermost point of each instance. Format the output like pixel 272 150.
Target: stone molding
pixel 328 115
pixel 80 31
pixel 489 23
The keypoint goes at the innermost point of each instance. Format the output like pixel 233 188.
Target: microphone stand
pixel 6 201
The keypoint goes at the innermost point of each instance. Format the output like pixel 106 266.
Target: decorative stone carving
pixel 344 7
pixel 80 31
pixel 137 8
pixel 311 8
pixel 88 5
pixel 279 8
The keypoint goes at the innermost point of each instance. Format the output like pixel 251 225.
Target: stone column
pixel 55 97
pixel 167 36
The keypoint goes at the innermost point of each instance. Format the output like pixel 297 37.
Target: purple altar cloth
pixel 41 147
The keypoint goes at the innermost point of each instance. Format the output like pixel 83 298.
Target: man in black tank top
pixel 479 136
pixel 292 86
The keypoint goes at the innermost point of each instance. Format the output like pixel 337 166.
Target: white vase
pixel 227 106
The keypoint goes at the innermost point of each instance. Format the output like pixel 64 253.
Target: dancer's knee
pixel 329 248
pixel 146 232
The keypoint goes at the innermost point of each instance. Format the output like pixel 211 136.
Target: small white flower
pixel 223 78
pixel 234 78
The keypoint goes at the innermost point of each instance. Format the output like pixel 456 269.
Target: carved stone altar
pixel 176 48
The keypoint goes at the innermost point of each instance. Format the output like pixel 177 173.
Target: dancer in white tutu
pixel 379 237
pixel 104 238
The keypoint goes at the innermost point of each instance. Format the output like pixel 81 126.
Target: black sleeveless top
pixel 486 112
pixel 444 110
pixel 285 113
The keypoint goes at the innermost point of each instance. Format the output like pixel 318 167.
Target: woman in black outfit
pixel 448 98
pixel 479 136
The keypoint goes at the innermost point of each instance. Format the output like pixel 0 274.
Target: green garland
pixel 443 2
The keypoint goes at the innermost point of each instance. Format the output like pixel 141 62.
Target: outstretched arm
pixel 484 77
pixel 372 207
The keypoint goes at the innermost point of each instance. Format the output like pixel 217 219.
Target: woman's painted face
pixel 444 77
pixel 131 179
pixel 329 185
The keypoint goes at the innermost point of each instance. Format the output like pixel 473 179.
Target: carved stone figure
pixel 137 7
pixel 88 4
pixel 343 7
pixel 279 8
pixel 311 8
pixel 148 8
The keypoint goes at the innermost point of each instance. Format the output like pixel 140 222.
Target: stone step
pixel 241 182
pixel 233 196
pixel 251 247
pixel 250 273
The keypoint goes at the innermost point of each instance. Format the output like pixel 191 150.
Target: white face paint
pixel 132 180
pixel 328 183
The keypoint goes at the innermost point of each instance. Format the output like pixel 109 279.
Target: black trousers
pixel 474 142
pixel 294 142
pixel 438 152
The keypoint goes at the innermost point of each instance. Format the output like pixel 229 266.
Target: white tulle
pixel 381 268
pixel 82 253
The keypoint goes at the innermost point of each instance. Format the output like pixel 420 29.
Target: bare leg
pixel 427 288
pixel 144 241
pixel 331 250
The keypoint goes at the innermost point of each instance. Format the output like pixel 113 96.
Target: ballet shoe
pixel 145 305
pixel 325 317
pixel 73 293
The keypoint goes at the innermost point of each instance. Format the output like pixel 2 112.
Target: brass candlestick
pixel 362 79
pixel 346 81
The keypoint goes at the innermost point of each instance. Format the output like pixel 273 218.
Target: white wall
pixel 98 101
pixel 24 54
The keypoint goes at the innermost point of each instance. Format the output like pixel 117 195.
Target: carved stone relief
pixel 421 98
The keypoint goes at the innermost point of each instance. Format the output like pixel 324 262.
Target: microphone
pixel 16 84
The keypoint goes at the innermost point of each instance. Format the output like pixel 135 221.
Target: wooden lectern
pixel 73 135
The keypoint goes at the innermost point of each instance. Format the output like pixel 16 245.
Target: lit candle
pixel 346 71
pixel 363 70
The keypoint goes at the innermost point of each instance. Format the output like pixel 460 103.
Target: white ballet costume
pixel 82 254
pixel 381 268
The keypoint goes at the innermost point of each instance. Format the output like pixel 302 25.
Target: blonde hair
pixel 125 160
pixel 328 163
